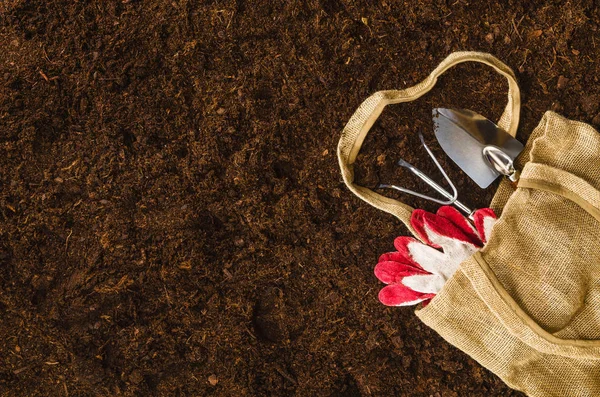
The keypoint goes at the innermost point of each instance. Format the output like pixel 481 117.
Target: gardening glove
pixel 416 271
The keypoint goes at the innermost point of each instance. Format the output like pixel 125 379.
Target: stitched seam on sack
pixel 528 323
pixel 538 184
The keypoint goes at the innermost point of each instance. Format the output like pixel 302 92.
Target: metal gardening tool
pixel 451 197
pixel 477 145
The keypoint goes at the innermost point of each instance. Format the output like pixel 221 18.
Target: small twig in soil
pixel 516 28
pixel 285 375
pixel 19 370
pixel 167 295
pixel 67 240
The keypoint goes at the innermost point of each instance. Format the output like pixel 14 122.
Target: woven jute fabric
pixel 527 306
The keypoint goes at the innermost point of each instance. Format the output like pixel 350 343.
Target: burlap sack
pixel 527 306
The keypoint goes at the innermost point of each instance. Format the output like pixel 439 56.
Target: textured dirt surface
pixel 172 217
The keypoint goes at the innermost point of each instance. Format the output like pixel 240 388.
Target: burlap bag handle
pixel 365 116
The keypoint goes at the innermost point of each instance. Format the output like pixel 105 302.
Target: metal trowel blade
pixel 463 134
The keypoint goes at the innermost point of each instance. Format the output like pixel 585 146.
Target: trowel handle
pixel 514 179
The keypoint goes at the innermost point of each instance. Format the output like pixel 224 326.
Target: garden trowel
pixel 477 145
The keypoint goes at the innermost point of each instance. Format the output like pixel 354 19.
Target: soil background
pixel 172 217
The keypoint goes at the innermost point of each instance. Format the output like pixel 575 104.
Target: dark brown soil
pixel 172 217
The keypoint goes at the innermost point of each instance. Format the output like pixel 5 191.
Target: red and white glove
pixel 416 272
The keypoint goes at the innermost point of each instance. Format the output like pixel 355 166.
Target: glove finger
pixel 393 272
pixel 484 220
pixel 460 221
pixel 425 257
pixel 425 283
pixel 399 257
pixel 440 231
pixel 434 261
pixel 401 295
pixel 403 255
pixel 417 222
